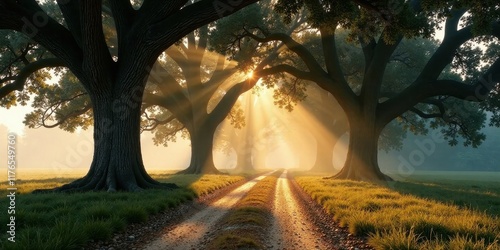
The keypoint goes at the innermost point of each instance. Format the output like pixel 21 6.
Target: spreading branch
pixel 53 110
pixel 415 93
pixel 124 16
pixel 20 79
pixel 427 84
pixel 71 14
pixel 308 58
pixel 438 103
pixel 22 17
pixel 96 56
pixel 331 55
pixel 153 123
pixel 375 69
pixel 189 18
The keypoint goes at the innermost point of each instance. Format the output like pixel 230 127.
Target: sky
pixel 13 118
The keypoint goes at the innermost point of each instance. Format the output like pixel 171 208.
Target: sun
pixel 249 74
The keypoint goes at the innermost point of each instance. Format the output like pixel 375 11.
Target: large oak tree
pixel 379 27
pixel 411 55
pixel 191 90
pixel 114 81
pixel 208 85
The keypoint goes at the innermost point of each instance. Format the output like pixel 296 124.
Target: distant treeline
pixel 426 153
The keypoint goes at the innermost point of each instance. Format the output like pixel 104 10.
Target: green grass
pixel 443 176
pixel 201 185
pixel 245 223
pixel 69 221
pixel 478 195
pixel 412 215
pixel 243 240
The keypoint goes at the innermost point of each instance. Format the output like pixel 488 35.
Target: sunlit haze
pixel 274 132
pixel 272 138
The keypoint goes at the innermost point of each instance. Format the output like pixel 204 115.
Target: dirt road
pixel 188 234
pixel 297 223
pixel 291 227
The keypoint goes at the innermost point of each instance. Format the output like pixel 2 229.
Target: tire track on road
pixel 189 234
pixel 291 227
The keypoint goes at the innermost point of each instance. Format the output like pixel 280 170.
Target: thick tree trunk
pixel 326 153
pixel 324 156
pixel 260 158
pixel 362 161
pixel 244 162
pixel 117 162
pixel 331 120
pixel 202 158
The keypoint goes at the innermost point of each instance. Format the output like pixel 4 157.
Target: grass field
pixel 419 213
pixel 444 176
pixel 68 221
pixel 428 210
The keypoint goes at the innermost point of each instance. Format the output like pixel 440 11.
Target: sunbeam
pixel 275 138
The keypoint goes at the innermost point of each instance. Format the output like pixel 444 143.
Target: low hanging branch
pixel 153 123
pixel 64 118
pixel 426 115
pixel 20 79
pixel 52 109
pixel 435 102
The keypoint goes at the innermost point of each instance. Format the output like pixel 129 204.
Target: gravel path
pixel 189 233
pixel 291 227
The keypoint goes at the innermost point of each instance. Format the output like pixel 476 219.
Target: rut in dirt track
pixel 291 228
pixel 190 233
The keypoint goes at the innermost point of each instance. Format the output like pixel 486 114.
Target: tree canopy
pixel 380 29
pixel 113 74
pixel 356 51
